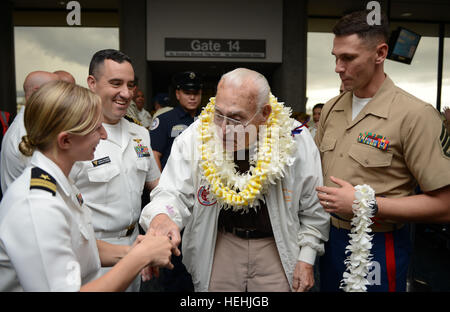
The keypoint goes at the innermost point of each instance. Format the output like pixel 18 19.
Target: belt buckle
pixel 239 232
pixel 236 232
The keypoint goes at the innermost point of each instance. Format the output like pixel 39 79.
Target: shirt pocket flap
pixel 327 144
pixel 84 231
pixel 142 164
pixel 103 173
pixel 368 156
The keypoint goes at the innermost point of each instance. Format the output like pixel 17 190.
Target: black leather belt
pixel 247 234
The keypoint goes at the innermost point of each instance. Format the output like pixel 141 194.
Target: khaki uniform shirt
pixel 418 150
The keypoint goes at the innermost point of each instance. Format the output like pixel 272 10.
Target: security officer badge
pixel 141 150
pixel 155 124
pixel 176 130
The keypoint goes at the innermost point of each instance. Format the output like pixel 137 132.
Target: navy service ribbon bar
pixel 374 140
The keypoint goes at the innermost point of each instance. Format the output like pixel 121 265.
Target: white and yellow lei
pixel 241 191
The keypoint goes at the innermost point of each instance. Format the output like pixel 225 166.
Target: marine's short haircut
pixel 356 23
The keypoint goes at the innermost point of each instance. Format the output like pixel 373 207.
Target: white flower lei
pixel 360 259
pixel 242 191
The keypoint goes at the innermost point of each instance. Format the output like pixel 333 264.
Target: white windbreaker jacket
pixel 300 224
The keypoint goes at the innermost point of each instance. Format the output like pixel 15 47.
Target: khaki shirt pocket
pixel 327 144
pixel 369 156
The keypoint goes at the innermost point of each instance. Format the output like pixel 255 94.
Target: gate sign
pixel 223 48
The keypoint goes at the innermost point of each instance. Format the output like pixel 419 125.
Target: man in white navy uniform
pixel 123 164
pixel 13 162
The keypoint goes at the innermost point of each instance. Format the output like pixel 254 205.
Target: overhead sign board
pixel 217 48
pixel 215 31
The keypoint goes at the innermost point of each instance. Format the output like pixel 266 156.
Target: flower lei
pixel 241 191
pixel 359 261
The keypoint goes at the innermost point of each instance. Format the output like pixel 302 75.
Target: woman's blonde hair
pixel 56 107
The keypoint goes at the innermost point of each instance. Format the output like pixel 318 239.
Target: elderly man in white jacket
pixel 241 182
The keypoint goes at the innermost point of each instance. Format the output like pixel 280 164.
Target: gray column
pixel 289 79
pixel 133 40
pixel 7 64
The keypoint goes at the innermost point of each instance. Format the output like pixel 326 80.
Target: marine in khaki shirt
pixel 376 134
pixel 416 149
pixel 415 145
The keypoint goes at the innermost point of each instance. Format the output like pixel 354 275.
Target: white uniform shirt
pixel 132 110
pixel 313 131
pixel 13 162
pixel 47 242
pixel 300 224
pixel 113 182
pixel 145 118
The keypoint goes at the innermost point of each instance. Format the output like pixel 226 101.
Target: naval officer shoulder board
pixel 42 180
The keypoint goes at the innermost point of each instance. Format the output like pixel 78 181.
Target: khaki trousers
pixel 251 265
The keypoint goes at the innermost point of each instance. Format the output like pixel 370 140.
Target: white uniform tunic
pixel 47 242
pixel 13 162
pixel 113 182
pixel 146 118
pixel 300 224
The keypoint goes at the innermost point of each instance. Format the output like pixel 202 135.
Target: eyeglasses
pixel 219 119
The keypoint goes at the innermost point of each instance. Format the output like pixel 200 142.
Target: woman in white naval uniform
pixel 47 242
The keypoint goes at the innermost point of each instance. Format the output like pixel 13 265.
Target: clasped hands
pixel 161 227
pixel 337 199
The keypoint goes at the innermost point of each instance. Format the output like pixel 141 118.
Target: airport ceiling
pixel 417 10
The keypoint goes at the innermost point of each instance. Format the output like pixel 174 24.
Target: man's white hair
pixel 241 77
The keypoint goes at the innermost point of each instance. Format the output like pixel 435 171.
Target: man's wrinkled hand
pixel 303 277
pixel 163 225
